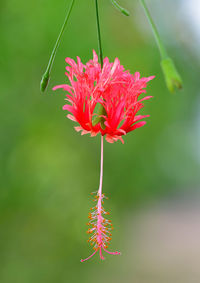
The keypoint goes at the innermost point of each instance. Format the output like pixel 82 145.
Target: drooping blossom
pixel 110 87
pixel 106 101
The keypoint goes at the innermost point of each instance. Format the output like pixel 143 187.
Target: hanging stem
pixel 161 47
pixel 101 110
pixel 101 169
pixel 99 34
pixel 46 75
pixel 99 204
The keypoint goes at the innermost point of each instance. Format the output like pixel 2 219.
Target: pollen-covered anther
pixel 92 193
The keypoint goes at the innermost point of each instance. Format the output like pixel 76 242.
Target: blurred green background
pixel 47 170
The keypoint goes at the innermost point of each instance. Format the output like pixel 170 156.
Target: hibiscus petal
pixel 65 87
pixel 145 98
pixel 109 139
pixel 115 66
pixel 150 78
pixel 71 117
pixel 135 126
pixel 95 57
pixel 68 108
pixel 139 117
pixel 136 76
pixel 84 132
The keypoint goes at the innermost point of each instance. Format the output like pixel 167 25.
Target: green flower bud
pixel 125 12
pixel 172 77
pixel 44 81
pixel 46 76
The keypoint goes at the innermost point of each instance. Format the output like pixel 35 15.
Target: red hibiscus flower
pixel 104 100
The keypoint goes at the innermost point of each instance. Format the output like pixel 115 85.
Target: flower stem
pixel 172 77
pixel 99 34
pixel 161 47
pixel 101 110
pixel 101 169
pixel 46 75
pixel 99 203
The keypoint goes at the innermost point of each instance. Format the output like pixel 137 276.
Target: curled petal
pixel 112 139
pixel 115 66
pixel 68 107
pixel 78 128
pixel 137 76
pixel 84 132
pixel 71 117
pixel 139 117
pixel 145 98
pixel 150 78
pixel 65 87
pixel 109 139
pixel 95 57
pixel 137 125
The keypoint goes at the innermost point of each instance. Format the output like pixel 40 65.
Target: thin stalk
pixel 101 170
pixel 101 110
pixel 99 34
pixel 99 204
pixel 46 75
pixel 161 47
